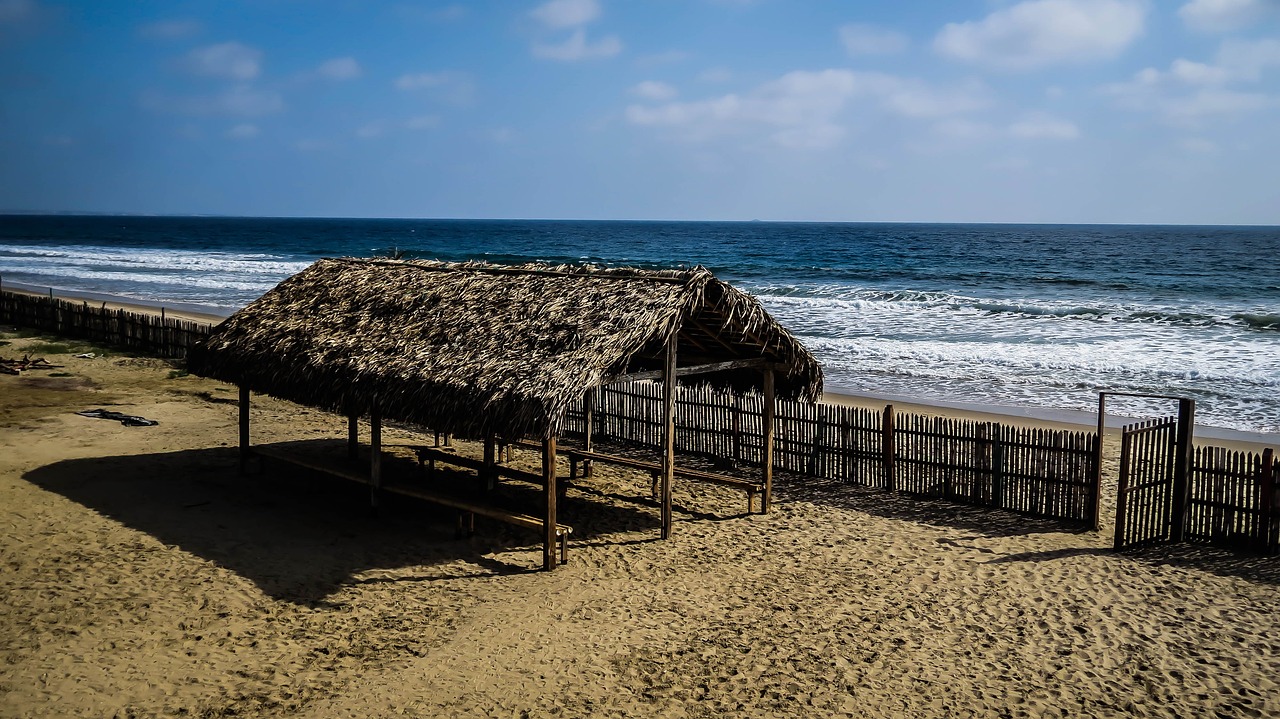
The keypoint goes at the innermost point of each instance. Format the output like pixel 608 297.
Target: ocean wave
pixel 832 297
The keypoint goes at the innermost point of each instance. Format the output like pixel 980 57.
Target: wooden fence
pixel 1040 472
pixel 154 334
pixel 1234 499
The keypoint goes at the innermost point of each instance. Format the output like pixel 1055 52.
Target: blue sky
pixel 1036 111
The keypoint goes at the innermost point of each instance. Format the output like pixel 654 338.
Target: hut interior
pixel 490 351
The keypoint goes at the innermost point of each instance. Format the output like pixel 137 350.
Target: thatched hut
pixel 484 350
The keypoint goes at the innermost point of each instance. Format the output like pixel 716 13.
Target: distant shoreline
pixel 1024 416
pixel 178 310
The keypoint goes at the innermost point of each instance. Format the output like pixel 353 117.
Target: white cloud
pixel 1038 33
pixel 449 86
pixel 169 29
pixel 566 13
pixel 1197 73
pixel 1041 126
pixel 1190 93
pixel 340 68
pixel 1247 60
pixel 654 90
pixel 577 48
pixel 240 100
pixel 244 131
pixel 422 122
pixel 1223 15
pixel 860 39
pixel 803 109
pixel 228 60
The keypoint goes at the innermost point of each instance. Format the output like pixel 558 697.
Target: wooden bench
pixel 430 455
pixel 655 471
pixel 468 508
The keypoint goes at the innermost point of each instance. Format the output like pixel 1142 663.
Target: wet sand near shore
pixel 144 577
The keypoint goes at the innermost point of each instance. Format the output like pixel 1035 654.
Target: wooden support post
pixel 889 448
pixel 668 434
pixel 375 454
pixel 588 425
pixel 1095 501
pixel 353 436
pixel 1182 469
pixel 489 477
pixel 766 448
pixel 549 520
pixel 1267 503
pixel 244 429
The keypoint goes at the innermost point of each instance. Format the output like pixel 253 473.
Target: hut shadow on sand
pixel 295 534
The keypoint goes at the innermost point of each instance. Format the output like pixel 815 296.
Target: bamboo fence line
pixel 1039 472
pixel 154 334
pixel 1233 499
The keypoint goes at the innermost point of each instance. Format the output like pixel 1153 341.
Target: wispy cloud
pixel 1225 15
pixel 1191 92
pixel 244 131
pixel 1039 33
pixel 228 60
pixel 1042 126
pixel 340 68
pixel 804 109
pixel 448 86
pixel 654 90
pixel 566 13
pixel 575 15
pixel 241 100
pixel 170 29
pixel 577 48
pixel 861 39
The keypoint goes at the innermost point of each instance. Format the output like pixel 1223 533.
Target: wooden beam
pixel 755 363
pixel 353 436
pixel 375 454
pixel 713 335
pixel 244 429
pixel 588 424
pixel 549 519
pixel 767 420
pixel 1095 502
pixel 489 475
pixel 687 337
pixel 1182 468
pixel 668 434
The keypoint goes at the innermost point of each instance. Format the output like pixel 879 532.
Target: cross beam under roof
pixel 756 363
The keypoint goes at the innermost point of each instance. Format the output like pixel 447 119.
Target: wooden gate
pixel 1155 461
pixel 1144 500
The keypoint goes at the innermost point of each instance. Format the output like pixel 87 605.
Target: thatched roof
pixel 474 348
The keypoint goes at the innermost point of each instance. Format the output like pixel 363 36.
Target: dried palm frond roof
pixel 475 348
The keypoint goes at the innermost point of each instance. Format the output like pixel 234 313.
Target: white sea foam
pixel 1043 353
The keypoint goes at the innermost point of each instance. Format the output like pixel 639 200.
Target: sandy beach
pixel 145 577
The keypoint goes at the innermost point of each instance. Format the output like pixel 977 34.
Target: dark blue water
pixel 1034 316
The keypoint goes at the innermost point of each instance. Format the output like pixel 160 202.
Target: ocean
pixel 1034 318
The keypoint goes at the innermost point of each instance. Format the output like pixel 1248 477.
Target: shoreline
pixel 1026 416
pixel 178 310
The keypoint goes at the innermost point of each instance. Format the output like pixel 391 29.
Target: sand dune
pixel 144 577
